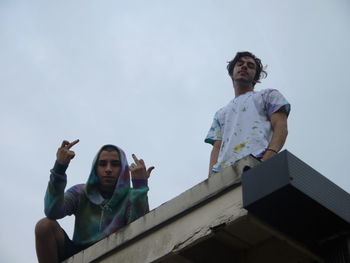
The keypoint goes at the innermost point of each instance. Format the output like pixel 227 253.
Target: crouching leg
pixel 49 241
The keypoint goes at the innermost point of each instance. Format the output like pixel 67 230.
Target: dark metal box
pixel 292 197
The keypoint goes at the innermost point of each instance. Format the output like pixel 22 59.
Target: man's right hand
pixel 64 154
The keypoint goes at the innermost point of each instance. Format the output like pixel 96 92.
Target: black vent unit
pixel 292 197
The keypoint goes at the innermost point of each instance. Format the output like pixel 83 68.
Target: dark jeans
pixel 70 248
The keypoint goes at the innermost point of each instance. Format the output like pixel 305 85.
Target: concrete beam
pixel 205 223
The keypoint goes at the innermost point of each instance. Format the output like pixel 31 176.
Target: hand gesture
pixel 64 154
pixel 138 169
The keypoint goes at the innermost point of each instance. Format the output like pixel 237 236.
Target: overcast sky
pixel 148 76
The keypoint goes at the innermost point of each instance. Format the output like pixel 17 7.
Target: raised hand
pixel 64 155
pixel 138 169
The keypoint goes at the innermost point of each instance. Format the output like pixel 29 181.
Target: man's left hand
pixel 268 155
pixel 138 169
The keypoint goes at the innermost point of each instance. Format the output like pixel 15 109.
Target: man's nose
pixel 108 168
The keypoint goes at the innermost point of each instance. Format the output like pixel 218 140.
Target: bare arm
pixel 214 155
pixel 280 132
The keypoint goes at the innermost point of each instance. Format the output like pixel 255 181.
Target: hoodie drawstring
pixel 105 209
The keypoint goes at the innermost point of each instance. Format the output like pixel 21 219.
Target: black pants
pixel 70 248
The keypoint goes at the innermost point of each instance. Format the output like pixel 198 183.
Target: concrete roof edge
pixel 191 198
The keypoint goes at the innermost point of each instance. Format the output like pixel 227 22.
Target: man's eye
pixel 251 65
pixel 115 163
pixel 102 163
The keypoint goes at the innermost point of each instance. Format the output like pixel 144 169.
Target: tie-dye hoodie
pixel 95 216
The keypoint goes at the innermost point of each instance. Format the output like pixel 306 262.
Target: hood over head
pixel 122 186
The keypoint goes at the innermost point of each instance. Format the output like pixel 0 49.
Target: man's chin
pixel 244 80
pixel 108 182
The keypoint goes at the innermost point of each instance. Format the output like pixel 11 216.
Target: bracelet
pixel 271 150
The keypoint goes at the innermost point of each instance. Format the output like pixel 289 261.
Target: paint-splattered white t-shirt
pixel 244 127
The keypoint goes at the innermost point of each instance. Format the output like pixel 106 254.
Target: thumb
pixel 149 170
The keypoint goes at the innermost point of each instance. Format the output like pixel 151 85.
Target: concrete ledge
pixel 205 224
pixel 195 196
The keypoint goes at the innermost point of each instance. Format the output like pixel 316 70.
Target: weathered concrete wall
pixel 183 232
pixel 206 223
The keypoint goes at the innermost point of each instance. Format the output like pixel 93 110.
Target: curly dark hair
pixel 260 71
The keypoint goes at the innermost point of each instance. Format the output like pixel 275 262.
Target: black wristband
pixel 271 150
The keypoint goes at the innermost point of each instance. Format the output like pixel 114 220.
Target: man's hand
pixel 214 155
pixel 268 154
pixel 138 169
pixel 64 154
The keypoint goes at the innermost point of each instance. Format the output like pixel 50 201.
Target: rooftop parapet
pixel 208 223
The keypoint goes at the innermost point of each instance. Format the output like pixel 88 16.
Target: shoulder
pixel 267 91
pixel 76 189
pixel 274 101
pixel 272 91
pixel 270 94
pixel 225 108
pixel 220 111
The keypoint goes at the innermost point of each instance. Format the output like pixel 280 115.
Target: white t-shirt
pixel 244 127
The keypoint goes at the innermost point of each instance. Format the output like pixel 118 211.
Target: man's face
pixel 108 168
pixel 244 70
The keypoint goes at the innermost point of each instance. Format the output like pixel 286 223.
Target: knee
pixel 45 226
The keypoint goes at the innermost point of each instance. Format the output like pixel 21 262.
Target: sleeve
pixel 215 131
pixel 138 200
pixel 57 203
pixel 275 101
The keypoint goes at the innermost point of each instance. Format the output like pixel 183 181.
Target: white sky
pixel 148 76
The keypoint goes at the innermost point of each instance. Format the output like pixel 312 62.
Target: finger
pixel 135 158
pixel 70 153
pixel 64 143
pixel 142 163
pixel 149 170
pixel 70 145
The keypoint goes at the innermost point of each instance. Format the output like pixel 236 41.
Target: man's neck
pixel 106 193
pixel 242 88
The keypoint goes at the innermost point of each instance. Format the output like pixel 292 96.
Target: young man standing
pixel 254 122
pixel 102 206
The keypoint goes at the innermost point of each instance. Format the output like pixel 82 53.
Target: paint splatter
pixel 240 146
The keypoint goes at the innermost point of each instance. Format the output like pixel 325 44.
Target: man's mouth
pixel 108 177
